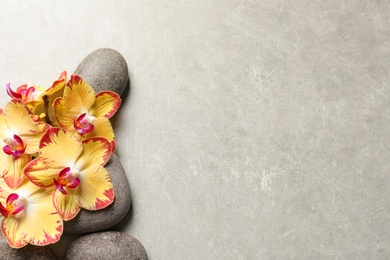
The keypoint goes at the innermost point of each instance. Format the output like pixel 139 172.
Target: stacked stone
pixel 104 69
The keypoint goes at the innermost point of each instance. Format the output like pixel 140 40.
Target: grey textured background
pixel 253 129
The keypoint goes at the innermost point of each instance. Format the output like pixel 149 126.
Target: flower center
pixel 14 205
pixel 24 92
pixel 68 178
pixel 84 123
pixel 14 146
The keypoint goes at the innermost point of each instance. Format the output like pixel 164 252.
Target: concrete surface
pixel 253 129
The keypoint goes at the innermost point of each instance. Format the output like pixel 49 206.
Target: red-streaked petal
pixel 15 176
pixel 4 163
pixel 18 116
pixel 96 151
pixel 106 104
pixel 59 148
pixel 65 204
pixel 58 86
pixel 41 224
pixel 64 119
pixel 39 174
pixel 103 128
pixel 95 190
pixel 5 191
pixel 32 140
pixel 63 75
pixel 9 227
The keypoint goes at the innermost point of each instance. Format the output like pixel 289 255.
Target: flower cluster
pixel 55 143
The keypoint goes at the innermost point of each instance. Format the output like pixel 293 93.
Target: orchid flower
pixel 19 138
pixel 38 99
pixel 74 167
pixel 82 111
pixel 29 215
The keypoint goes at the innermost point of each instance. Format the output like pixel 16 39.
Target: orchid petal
pixel 32 140
pixel 41 225
pixel 5 190
pixel 106 104
pixel 64 119
pixel 36 106
pixel 66 205
pixel 15 176
pixel 60 149
pixel 39 174
pixel 103 128
pixel 96 151
pixel 3 125
pixel 18 116
pixel 79 91
pixel 4 163
pixel 57 89
pixel 95 190
pixel 10 228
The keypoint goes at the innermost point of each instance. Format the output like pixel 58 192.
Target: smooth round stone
pixel 91 221
pixel 24 253
pixel 106 245
pixel 104 69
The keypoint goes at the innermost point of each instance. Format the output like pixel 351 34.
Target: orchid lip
pixel 68 177
pixel 14 205
pixel 84 123
pixel 11 93
pixel 14 146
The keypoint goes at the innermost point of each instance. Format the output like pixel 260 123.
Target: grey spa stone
pixel 104 69
pixel 106 245
pixel 24 253
pixel 91 221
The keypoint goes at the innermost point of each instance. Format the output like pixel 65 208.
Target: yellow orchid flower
pixel 29 215
pixel 75 168
pixel 82 111
pixel 38 99
pixel 19 137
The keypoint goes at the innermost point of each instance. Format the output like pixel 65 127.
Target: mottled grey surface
pixel 104 69
pixel 28 252
pixel 91 221
pixel 106 245
pixel 253 129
